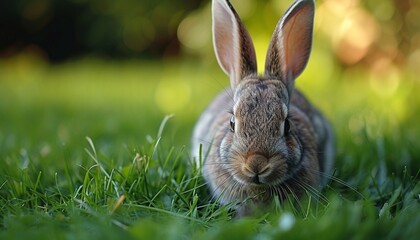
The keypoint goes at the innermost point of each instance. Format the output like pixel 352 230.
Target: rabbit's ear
pixel 233 46
pixel 291 43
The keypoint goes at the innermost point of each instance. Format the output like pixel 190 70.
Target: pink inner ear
pixel 297 39
pixel 224 38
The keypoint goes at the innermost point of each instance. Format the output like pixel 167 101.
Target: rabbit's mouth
pixel 256 180
pixel 259 171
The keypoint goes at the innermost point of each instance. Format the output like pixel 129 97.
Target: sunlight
pixel 194 32
pixel 414 60
pixel 384 77
pixel 355 36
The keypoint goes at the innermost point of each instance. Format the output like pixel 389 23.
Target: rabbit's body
pixel 263 139
pixel 310 126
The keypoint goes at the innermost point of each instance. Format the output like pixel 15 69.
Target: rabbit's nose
pixel 256 179
pixel 254 166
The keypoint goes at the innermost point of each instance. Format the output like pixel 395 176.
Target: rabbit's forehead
pixel 267 97
pixel 273 88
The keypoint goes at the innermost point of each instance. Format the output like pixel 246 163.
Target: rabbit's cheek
pixel 226 145
pixel 295 151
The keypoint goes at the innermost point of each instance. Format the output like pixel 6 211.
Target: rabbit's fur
pixel 262 138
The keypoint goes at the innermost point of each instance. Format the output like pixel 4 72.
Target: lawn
pixel 95 149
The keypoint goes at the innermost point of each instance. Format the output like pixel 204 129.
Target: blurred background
pixel 358 32
pixel 113 69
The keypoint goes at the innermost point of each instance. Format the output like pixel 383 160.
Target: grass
pixel 86 152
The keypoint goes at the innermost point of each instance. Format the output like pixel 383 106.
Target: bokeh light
pixel 172 95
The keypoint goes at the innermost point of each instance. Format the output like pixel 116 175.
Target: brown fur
pixel 261 158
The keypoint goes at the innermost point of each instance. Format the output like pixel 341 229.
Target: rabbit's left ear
pixel 291 43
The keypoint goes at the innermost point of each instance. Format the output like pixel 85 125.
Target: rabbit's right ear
pixel 233 46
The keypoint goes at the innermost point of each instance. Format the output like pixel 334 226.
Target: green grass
pixel 85 153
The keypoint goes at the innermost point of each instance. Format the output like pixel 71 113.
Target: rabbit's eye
pixel 286 126
pixel 232 124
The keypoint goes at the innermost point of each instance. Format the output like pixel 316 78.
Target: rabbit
pixel 262 139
